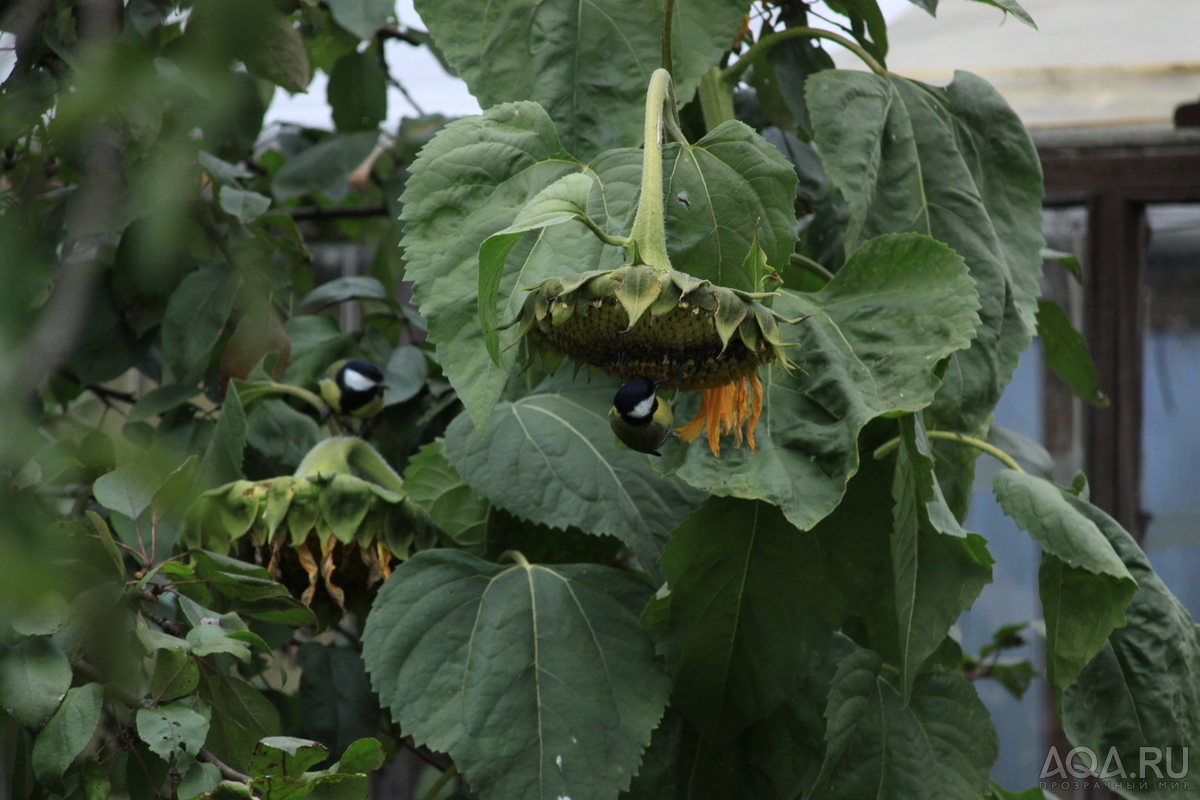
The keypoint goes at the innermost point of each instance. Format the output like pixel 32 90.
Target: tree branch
pixel 228 772
pixel 63 316
pixel 335 212
pixel 398 33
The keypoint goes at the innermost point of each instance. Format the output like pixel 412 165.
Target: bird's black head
pixel 360 382
pixel 360 375
pixel 636 401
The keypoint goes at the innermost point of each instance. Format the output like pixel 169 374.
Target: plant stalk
pixel 1004 458
pixel 812 266
pixel 295 391
pixel 440 783
pixel 734 71
pixel 649 231
pixel 517 557
pixel 666 58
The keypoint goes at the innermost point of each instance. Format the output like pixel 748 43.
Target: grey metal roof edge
pixel 1158 134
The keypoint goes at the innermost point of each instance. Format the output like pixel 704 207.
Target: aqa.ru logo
pixel 1082 762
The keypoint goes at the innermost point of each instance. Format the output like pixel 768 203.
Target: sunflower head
pixel 649 322
pixel 329 535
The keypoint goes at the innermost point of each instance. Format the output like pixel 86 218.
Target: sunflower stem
pixel 812 266
pixel 734 71
pixel 666 56
pixel 517 557
pixel 602 235
pixel 441 782
pixel 1004 458
pixel 349 455
pixel 649 230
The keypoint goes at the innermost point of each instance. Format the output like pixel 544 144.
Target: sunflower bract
pixel 649 322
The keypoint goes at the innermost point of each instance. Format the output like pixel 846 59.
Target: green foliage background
pixel 564 618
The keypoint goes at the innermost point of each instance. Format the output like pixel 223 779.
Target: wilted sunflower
pixel 649 322
pixel 332 530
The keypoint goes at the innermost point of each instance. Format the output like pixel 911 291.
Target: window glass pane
pixel 1012 596
pixel 1171 400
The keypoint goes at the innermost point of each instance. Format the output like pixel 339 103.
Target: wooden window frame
pixel 1115 183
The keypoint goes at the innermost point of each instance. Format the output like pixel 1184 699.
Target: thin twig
pixel 734 71
pixel 428 756
pixel 114 541
pixel 812 266
pixel 995 452
pixel 105 393
pixel 335 212
pixel 440 783
pixel 390 32
pixel 228 772
pixel 173 628
pixel 210 228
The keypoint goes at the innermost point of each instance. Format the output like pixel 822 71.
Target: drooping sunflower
pixel 330 533
pixel 651 322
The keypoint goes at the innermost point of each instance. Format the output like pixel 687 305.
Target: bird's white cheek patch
pixel 643 409
pixel 357 381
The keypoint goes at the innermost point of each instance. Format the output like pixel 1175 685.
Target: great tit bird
pixel 354 387
pixel 639 418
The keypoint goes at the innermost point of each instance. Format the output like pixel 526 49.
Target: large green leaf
pixel 855 562
pixel 1066 353
pixel 280 770
pixel 720 192
pixel 1082 581
pixel 956 164
pixel 551 457
pixel 67 733
pixel 433 483
pixel 339 290
pixel 128 488
pixel 939 569
pixel 242 205
pixel 467 184
pixel 743 626
pixel 241 717
pixel 222 461
pixel 280 432
pixel 362 17
pixel 1143 688
pixel 169 729
pixel 196 315
pixel 176 673
pixel 335 696
pixel 357 91
pixel 587 63
pixel 323 164
pixel 106 346
pixel 565 200
pixel 270 46
pixel 785 751
pixel 538 681
pixel 878 331
pixel 938 746
pixel 34 676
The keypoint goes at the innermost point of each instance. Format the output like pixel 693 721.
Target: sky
pixel 431 89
